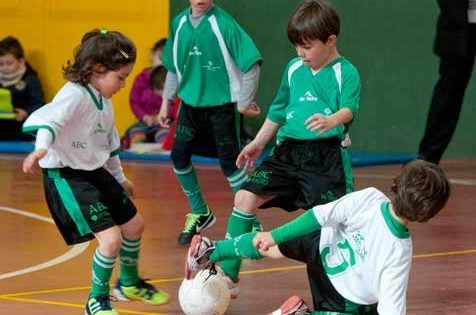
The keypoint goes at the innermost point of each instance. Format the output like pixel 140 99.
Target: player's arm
pixel 247 157
pixel 249 86
pixel 44 139
pixel 393 287
pixel 323 123
pixel 302 225
pixel 171 86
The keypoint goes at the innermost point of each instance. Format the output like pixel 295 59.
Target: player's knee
pixel 246 201
pixel 180 161
pixel 111 245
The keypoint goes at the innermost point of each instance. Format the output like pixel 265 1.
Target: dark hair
pixel 419 191
pixel 159 45
pixel 110 49
pixel 157 77
pixel 11 45
pixel 313 20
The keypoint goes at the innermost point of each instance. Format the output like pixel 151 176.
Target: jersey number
pixel 344 264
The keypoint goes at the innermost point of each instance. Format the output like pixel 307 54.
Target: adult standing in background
pixel 455 44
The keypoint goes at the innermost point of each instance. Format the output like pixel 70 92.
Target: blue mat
pixel 357 158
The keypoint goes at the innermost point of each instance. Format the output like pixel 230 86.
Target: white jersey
pixel 366 252
pixel 84 135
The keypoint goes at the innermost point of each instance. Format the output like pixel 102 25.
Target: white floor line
pixel 71 253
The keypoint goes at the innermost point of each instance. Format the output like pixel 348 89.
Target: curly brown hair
pixel 419 191
pixel 111 49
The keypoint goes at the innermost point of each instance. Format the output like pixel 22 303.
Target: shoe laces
pixel 104 302
pixel 145 289
pixel 191 221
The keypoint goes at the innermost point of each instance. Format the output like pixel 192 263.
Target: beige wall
pixel 49 30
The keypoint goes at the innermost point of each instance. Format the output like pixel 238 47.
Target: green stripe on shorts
pixel 71 205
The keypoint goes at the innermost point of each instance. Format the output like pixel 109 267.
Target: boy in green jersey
pixel 214 66
pixel 316 102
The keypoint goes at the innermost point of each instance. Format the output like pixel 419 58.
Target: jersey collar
pixel 96 100
pixel 398 229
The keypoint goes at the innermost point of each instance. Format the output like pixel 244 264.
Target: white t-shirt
pixel 366 253
pixel 82 131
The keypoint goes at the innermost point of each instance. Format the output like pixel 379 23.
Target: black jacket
pixel 452 32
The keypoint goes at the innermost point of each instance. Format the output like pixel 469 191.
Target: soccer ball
pixel 206 294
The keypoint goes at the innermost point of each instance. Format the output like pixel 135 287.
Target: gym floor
pixel 39 274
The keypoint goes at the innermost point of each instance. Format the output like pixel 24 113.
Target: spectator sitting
pixel 17 76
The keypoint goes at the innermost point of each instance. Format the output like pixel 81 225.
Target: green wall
pixel 390 43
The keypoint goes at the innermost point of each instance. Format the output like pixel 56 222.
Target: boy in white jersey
pixel 85 187
pixel 357 249
pixel 310 116
pixel 213 64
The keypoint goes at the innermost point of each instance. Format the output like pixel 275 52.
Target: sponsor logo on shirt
pixel 308 97
pixel 195 52
pixel 290 115
pixel 211 67
pixel 99 128
pixel 79 144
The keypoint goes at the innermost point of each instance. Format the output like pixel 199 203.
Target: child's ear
pixel 331 40
pixel 99 68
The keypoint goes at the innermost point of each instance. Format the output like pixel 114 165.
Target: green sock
pixel 189 182
pixel 239 247
pixel 237 179
pixel 102 271
pixel 238 224
pixel 128 256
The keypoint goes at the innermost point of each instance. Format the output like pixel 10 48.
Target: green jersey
pixel 303 93
pixel 209 59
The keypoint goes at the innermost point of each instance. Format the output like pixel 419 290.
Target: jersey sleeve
pixel 55 116
pixel 343 209
pixel 168 54
pixel 393 286
pixel 350 90
pixel 240 45
pixel 277 109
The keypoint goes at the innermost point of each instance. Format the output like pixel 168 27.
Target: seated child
pixel 146 100
pixel 17 76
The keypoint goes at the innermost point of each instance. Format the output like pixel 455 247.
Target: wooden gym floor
pixel 39 274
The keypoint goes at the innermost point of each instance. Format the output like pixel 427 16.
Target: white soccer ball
pixel 206 294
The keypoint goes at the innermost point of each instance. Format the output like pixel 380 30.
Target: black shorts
pixel 303 174
pixel 208 131
pixel 85 202
pixel 325 297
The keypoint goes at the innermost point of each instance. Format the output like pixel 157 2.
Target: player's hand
pixel 320 122
pixel 129 188
pixel 251 110
pixel 163 117
pixel 248 156
pixel 263 241
pixel 31 160
pixel 20 114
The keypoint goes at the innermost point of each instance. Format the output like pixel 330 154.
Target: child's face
pixel 9 64
pixel 315 53
pixel 109 83
pixel 200 6
pixel 156 58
